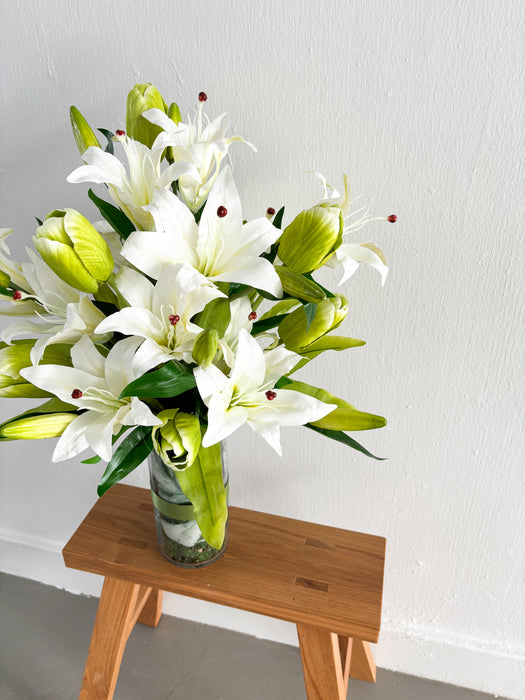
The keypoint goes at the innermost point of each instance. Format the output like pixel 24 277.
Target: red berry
pixel 270 211
pixel 17 295
pixel 221 212
pixel 252 316
pixel 120 132
pixel 203 97
pixel 392 218
pixel 271 395
pixel 174 319
pixel 76 394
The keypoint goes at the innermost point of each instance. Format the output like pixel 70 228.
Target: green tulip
pixel 142 97
pixel 177 441
pixel 46 425
pixel 312 237
pixel 74 250
pixel 298 336
pixel 82 132
pixel 205 347
pixel 15 357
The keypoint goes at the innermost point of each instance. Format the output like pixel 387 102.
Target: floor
pixel 46 634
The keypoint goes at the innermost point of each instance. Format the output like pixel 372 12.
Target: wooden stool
pixel 327 581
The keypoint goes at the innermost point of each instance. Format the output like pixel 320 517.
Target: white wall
pixel 422 105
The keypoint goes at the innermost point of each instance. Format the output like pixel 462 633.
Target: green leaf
pixel 265 323
pixel 109 137
pixel 39 221
pixel 170 380
pixel 282 382
pixel 310 311
pixel 278 218
pixel 339 436
pixel 271 254
pixel 202 484
pixel 131 452
pixel 115 218
pixel 92 460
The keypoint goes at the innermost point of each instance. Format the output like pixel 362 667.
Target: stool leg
pixel 120 605
pixel 152 610
pixel 362 664
pixel 323 662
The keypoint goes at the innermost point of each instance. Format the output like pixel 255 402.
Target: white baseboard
pixel 417 651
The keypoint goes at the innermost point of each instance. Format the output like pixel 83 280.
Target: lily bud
pixel 142 97
pixel 47 425
pixel 312 237
pixel 174 113
pixel 205 347
pixel 297 335
pixel 15 357
pixel 82 132
pixel 298 286
pixel 74 250
pixel 5 280
pixel 177 441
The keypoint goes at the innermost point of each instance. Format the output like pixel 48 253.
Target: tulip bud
pixel 297 335
pixel 74 250
pixel 177 441
pixel 45 425
pixel 142 97
pixel 82 132
pixel 312 237
pixel 205 347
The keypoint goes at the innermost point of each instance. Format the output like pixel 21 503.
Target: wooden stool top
pixel 284 568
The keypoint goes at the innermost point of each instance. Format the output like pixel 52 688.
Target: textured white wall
pixel 422 105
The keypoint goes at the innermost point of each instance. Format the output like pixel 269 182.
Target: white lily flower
pixel 350 255
pixel 162 313
pixel 64 313
pixel 95 383
pixel 204 147
pixel 220 246
pixel 249 395
pixel 240 310
pixel 133 192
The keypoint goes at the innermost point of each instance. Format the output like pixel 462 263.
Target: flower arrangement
pixel 173 321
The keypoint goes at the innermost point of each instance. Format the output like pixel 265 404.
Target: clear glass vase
pixel 180 539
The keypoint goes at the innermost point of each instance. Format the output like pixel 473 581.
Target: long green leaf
pixel 109 138
pixel 310 311
pixel 339 436
pixel 115 218
pixel 278 218
pixel 170 380
pixel 202 484
pixel 131 452
pixel 265 323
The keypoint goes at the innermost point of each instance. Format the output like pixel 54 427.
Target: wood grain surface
pixel 289 569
